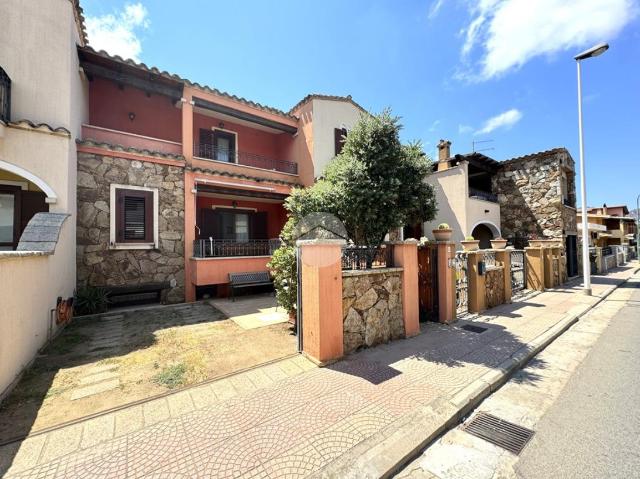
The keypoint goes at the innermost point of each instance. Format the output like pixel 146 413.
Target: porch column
pixel 446 283
pixel 504 257
pixel 322 320
pixel 187 127
pixel 535 268
pixel 405 256
pixel 189 234
pixel 477 283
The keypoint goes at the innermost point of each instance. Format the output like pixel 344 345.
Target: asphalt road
pixel 593 429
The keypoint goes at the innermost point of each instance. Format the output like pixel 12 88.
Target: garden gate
pixel 518 270
pixel 459 264
pixel 428 282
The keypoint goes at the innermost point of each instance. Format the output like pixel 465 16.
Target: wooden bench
pixel 246 280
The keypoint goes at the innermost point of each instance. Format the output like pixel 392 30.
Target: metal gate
pixel 428 282
pixel 518 270
pixel 459 264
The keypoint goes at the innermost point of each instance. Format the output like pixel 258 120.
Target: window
pixel 230 224
pixel 133 224
pixel 219 145
pixel 5 96
pixel 9 217
pixel 339 136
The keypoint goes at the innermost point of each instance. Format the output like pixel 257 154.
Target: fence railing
pixel 366 257
pixel 607 251
pixel 483 195
pixel 489 258
pixel 210 152
pixel 220 248
pixel 459 265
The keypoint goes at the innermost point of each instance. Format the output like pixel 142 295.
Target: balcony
pixel 130 140
pixel 482 195
pixel 220 248
pixel 225 155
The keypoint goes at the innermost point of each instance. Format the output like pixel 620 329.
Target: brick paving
pixel 292 426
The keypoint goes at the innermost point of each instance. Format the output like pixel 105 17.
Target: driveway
pixel 106 361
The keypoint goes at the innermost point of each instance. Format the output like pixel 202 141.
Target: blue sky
pixel 500 70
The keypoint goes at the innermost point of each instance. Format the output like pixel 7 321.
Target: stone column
pixel 322 323
pixel 405 256
pixel 446 283
pixel 504 257
pixel 601 267
pixel 534 258
pixel 477 283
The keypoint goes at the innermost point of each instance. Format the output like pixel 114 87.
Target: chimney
pixel 604 209
pixel 444 153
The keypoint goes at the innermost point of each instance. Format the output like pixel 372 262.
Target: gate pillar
pixel 477 293
pixel 405 256
pixel 321 290
pixel 535 268
pixel 446 283
pixel 504 257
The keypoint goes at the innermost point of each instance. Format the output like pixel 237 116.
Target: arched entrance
pixel 485 232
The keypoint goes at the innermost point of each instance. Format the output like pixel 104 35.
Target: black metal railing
pixel 482 195
pixel 459 264
pixel 221 248
pixel 210 152
pixel 568 202
pixel 607 251
pixel 518 270
pixel 5 96
pixel 366 257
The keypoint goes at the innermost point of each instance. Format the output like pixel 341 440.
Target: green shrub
pixel 444 226
pixel 285 279
pixel 90 300
pixel 172 376
pixel 469 238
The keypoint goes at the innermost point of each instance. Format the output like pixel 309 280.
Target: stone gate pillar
pixel 405 256
pixel 504 256
pixel 534 259
pixel 477 294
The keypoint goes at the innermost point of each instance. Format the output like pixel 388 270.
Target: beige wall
pixel 328 115
pixel 26 308
pixel 456 208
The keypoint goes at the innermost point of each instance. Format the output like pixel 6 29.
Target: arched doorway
pixel 483 233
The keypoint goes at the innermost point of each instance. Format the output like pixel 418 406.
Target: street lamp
pixel 586 265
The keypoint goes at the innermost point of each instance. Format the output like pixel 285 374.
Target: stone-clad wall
pixel 371 307
pixel 97 263
pixel 494 287
pixel 530 195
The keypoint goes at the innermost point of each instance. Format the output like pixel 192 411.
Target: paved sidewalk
pixel 324 421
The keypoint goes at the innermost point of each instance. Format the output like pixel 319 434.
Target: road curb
pixel 385 453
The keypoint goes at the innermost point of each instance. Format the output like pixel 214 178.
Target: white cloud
pixel 504 120
pixel 464 129
pixel 435 8
pixel 434 126
pixel 117 33
pixel 509 33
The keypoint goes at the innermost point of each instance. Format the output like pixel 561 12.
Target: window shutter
pixel 134 216
pixel 206 143
pixel 258 225
pixel 339 135
pixel 120 216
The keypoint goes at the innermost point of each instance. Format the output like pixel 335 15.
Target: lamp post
pixel 586 266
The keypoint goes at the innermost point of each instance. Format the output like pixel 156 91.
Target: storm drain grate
pixel 497 431
pixel 474 329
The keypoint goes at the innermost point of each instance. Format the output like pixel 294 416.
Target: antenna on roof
pixel 475 142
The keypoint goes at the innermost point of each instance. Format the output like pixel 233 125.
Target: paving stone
pixel 242 383
pixel 274 372
pixel 259 378
pixel 223 389
pixel 155 411
pixel 180 403
pixel 290 367
pixel 18 456
pixel 98 377
pixel 60 442
pixel 128 420
pixel 93 389
pixel 203 396
pixel 97 430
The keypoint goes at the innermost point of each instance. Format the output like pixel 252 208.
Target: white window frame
pixel 113 244
pixel 235 151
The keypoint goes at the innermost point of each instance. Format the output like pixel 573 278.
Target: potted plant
pixel 443 232
pixel 499 243
pixel 470 243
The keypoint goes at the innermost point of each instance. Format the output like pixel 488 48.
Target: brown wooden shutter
pixel 32 202
pixel 205 148
pixel 339 135
pixel 258 225
pixel 134 216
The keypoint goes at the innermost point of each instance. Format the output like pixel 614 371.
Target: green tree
pixel 374 185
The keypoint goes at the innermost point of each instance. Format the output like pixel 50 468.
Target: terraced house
pixel 180 184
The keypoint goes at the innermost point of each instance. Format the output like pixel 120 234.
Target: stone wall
pixel 494 287
pixel 371 307
pixel 100 265
pixel 530 195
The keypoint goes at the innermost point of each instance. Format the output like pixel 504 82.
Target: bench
pixel 136 294
pixel 246 280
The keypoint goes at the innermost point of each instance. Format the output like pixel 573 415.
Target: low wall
pixel 371 307
pixel 32 283
pixel 494 286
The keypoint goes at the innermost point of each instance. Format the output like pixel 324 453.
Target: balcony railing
pixel 568 202
pixel 5 96
pixel 210 152
pixel 222 248
pixel 130 140
pixel 482 195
